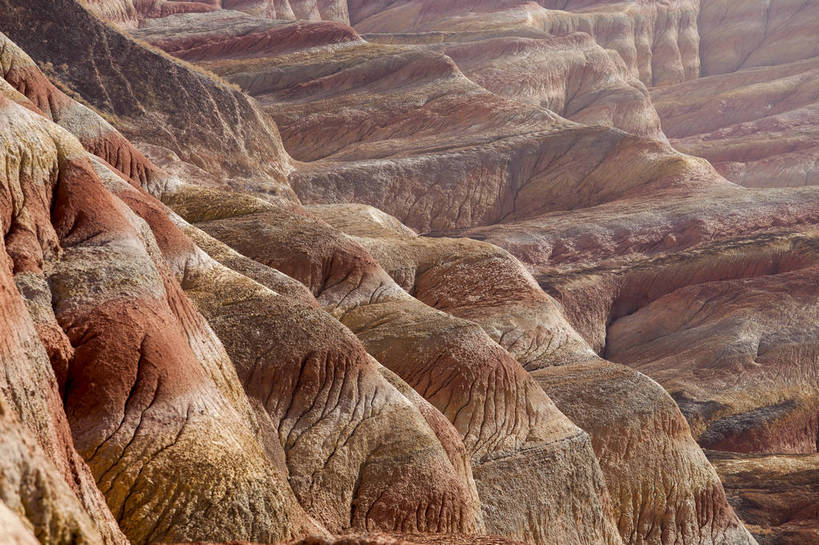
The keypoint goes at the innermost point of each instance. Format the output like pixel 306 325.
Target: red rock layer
pixel 379 458
pixel 135 393
pixel 492 403
pixel 424 105
pixel 609 222
pixel 760 396
pixel 238 144
pixel 28 382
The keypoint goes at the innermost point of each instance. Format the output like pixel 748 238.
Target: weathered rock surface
pixel 657 40
pixel 256 369
pixel 776 495
pixel 358 453
pixel 411 539
pixel 748 34
pixel 16 532
pixel 495 407
pixel 456 510
pixel 139 395
pixel 468 279
pixel 361 395
pixel 645 511
pixel 746 376
pixel 35 424
pixel 576 78
pixel 210 125
pixel 758 126
pixel 427 136
pixel 617 406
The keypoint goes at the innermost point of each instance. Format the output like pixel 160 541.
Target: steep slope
pixel 495 407
pixel 447 115
pixel 378 456
pixel 368 166
pixel 210 125
pixel 755 344
pixel 657 39
pixel 411 76
pixel 522 317
pixel 748 34
pixel 396 441
pixel 133 403
pixel 425 129
pixel 40 460
pixel 754 117
pixel 777 495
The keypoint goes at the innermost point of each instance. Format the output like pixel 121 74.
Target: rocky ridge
pixel 248 250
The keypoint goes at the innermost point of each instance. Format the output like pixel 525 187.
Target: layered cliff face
pixel 658 40
pixel 128 13
pixel 754 116
pixel 373 279
pixel 142 381
pixel 156 405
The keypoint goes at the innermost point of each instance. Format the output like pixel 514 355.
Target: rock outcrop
pixel 358 453
pixel 777 495
pixel 407 271
pixel 138 398
pixel 756 122
pixel 185 388
pixel 657 40
pixel 211 126
pixel 496 409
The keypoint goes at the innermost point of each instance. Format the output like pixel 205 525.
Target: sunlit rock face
pixel 185 387
pixel 408 271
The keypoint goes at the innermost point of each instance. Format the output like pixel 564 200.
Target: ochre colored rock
pixel 737 355
pixel 258 369
pixel 468 279
pixel 139 391
pixel 776 495
pixel 494 406
pixel 357 452
pixel 645 450
pixel 27 380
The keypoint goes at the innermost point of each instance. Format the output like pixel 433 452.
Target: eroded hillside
pixel 416 271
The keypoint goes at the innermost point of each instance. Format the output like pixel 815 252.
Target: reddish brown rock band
pixel 407 272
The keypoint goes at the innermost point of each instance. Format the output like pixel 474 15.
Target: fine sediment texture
pixel 408 272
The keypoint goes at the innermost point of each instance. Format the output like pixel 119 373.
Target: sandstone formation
pixel 211 126
pixel 658 40
pixel 408 271
pixel 754 116
pixel 495 407
pixel 370 434
pixel 162 375
pixel 137 396
pixel 777 495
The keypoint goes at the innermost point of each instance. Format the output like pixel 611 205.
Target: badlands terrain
pixel 404 272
